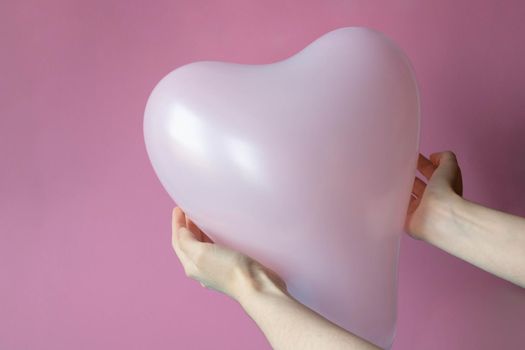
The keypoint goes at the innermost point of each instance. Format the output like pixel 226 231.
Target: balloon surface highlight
pixel 305 164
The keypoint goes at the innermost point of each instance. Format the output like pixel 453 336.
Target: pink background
pixel 85 255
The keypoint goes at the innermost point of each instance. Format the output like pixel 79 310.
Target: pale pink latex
pixel 305 164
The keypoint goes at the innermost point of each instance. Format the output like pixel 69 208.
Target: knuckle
pixel 450 155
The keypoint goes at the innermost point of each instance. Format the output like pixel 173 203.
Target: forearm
pixel 492 240
pixel 288 324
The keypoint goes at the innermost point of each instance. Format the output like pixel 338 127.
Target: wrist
pixel 254 281
pixel 441 216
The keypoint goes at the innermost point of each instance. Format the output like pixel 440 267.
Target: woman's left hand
pixel 217 267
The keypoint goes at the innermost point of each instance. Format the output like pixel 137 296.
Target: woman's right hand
pixel 444 184
pixel 487 238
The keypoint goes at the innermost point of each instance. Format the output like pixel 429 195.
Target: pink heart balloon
pixel 305 164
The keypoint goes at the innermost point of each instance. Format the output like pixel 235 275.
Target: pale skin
pixel 489 239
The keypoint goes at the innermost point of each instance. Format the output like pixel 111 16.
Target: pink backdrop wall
pixel 85 255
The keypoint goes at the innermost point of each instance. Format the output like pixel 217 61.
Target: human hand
pixel 285 322
pixel 217 267
pixel 444 185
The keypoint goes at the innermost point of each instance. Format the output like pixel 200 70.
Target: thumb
pixel 447 169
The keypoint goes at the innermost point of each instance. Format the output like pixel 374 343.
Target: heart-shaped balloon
pixel 305 164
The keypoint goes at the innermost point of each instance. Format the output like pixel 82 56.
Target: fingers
pixel 186 237
pixel 425 166
pixel 447 169
pixel 201 236
pixel 180 219
pixel 418 188
pixel 413 204
pixel 443 166
pixel 417 193
pixel 187 247
pixel 194 229
pixel 183 238
pixel 189 243
pixel 177 221
pixel 445 157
